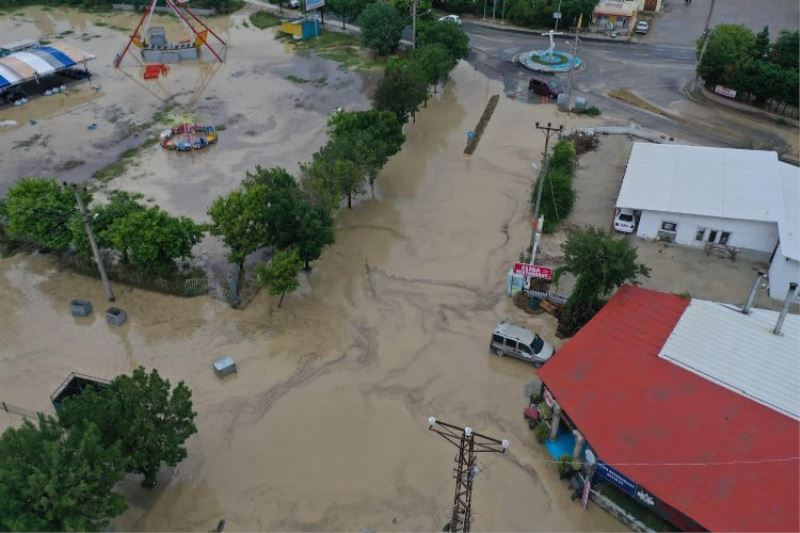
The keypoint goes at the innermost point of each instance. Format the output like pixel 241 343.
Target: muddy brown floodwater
pixel 325 425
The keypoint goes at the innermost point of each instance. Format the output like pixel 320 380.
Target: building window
pixel 669 226
pixel 712 235
pixel 724 236
pixel 701 232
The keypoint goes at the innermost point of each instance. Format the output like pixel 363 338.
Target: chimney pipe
pixel 752 296
pixel 786 303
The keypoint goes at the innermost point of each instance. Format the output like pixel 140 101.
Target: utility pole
pixel 503 13
pixel 705 41
pixel 414 24
pixel 535 230
pixel 469 444
pixel 572 65
pixel 95 250
pixel 484 9
pixel 555 29
pixel 494 8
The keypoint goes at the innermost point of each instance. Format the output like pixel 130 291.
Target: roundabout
pixel 550 60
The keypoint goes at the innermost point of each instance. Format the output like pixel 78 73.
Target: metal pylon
pixel 469 444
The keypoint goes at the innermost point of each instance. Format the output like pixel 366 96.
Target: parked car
pixel 543 87
pixel 521 343
pixel 455 19
pixel 625 220
pixel 294 4
pixel 642 27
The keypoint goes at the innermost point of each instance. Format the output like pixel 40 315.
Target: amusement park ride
pixel 153 44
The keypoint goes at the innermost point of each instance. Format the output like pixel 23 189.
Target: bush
pixel 262 19
pixel 381 28
pixel 565 465
pixel 541 431
pixel 558 198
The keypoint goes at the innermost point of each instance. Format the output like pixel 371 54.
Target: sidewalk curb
pixel 526 31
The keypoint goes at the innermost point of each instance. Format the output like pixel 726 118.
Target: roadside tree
pixel 729 47
pixel 314 230
pixel 152 239
pixel 279 195
pixel 347 10
pixel 120 205
pixel 435 63
pixel 401 90
pixel 449 35
pixel 280 276
pixel 786 50
pixel 39 211
pixel 239 219
pixel 600 263
pixel 143 414
pixel 381 27
pixel 57 480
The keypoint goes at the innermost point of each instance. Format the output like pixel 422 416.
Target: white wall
pixel 782 271
pixel 745 234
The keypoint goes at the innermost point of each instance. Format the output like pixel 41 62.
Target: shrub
pixel 540 433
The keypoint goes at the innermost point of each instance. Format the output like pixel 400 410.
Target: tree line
pixel 759 70
pixel 59 473
pixel 527 13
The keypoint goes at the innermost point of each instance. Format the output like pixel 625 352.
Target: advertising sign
pixel 314 4
pixel 533 271
pixel 724 91
pixel 615 478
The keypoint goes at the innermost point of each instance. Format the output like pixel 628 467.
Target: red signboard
pixel 533 271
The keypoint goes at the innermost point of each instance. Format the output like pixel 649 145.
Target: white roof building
pixel 699 195
pixel 740 352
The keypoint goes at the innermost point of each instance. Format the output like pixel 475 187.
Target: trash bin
pixel 223 366
pixel 79 307
pixel 116 316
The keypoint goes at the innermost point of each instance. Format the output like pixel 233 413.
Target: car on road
pixel 543 87
pixel 643 26
pixel 294 4
pixel 521 343
pixel 625 220
pixel 455 19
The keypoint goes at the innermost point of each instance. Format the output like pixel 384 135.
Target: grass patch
pixel 343 48
pixel 65 33
pixel 69 164
pixel 44 42
pixel 592 111
pixel 263 20
pixel 297 79
pixel 100 23
pixel 626 96
pixel 118 167
pixel 220 127
pixel 30 141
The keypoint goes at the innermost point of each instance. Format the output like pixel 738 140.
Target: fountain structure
pixel 550 60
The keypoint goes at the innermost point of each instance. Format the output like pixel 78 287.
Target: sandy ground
pixel 324 427
pixel 268 119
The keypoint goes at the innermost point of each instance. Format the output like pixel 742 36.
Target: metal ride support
pixel 176 7
pixel 469 444
pixel 548 132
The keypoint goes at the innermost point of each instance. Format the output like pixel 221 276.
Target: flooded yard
pixel 325 425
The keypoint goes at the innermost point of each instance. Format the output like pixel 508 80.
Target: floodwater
pixel 325 425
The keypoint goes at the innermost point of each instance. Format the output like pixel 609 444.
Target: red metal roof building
pixel 647 418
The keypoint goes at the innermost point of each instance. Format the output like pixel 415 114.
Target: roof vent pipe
pixel 752 296
pixel 786 303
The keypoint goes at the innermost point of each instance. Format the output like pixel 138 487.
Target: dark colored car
pixel 543 87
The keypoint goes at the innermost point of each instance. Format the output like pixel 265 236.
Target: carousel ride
pixel 187 134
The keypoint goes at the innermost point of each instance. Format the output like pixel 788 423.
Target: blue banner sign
pixel 615 478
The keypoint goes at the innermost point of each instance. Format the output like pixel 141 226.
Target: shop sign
pixel 645 497
pixel 615 478
pixel 533 271
pixel 724 91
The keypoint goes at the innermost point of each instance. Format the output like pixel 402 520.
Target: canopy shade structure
pixel 38 62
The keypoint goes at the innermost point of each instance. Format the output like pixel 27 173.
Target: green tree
pixel 435 63
pixel 786 50
pixel 279 194
pixel 447 34
pixel 761 47
pixel 39 211
pixel 347 10
pixel 375 136
pixel 120 204
pixel 142 414
pixel 600 263
pixel 152 239
pixel 280 276
pixel 563 155
pixel 314 230
pixel 558 198
pixel 381 27
pixel 401 90
pixel 57 480
pixel 239 219
pixel 729 46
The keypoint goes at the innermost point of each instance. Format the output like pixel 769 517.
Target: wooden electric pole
pixel 705 41
pixel 95 250
pixel 573 65
pixel 548 132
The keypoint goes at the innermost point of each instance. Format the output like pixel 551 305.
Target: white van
pixel 524 344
